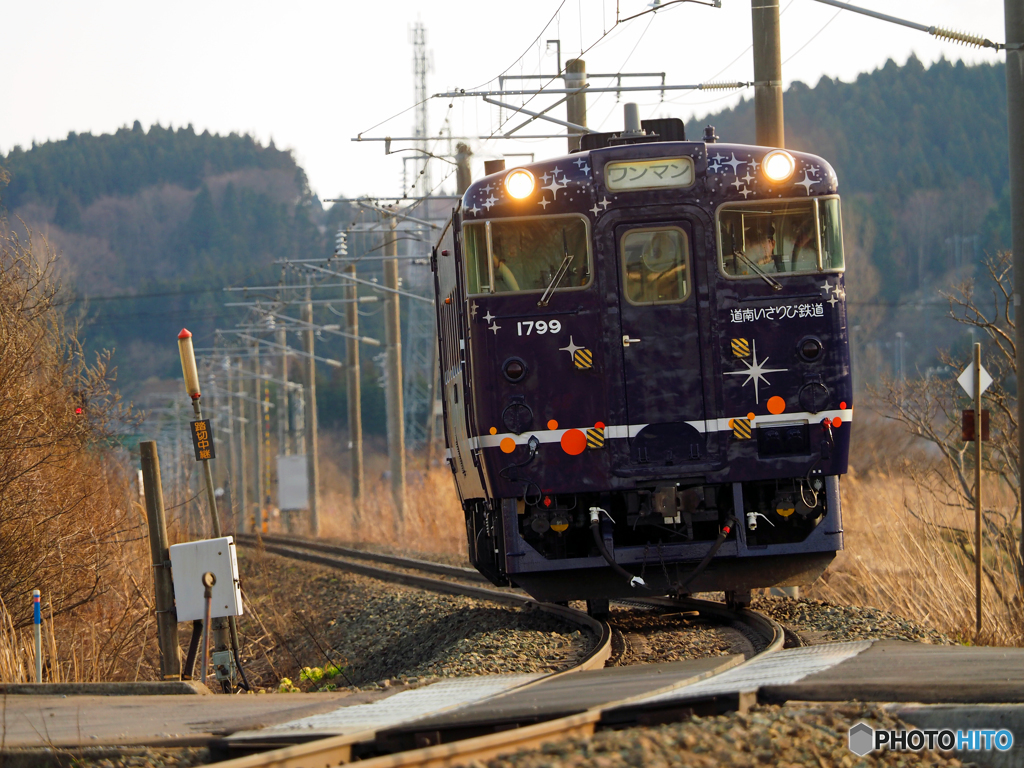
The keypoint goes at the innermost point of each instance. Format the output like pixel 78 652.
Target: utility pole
pixel 768 73
pixel 463 172
pixel 312 446
pixel 355 406
pixel 242 483
pixel 395 406
pixel 283 446
pixel 576 105
pixel 1013 11
pixel 258 433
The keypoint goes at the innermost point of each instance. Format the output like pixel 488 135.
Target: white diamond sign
pixel 966 379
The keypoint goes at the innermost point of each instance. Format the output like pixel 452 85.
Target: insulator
pixel 960 37
pixel 720 86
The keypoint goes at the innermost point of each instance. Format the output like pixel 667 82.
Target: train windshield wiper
pixel 761 273
pixel 559 273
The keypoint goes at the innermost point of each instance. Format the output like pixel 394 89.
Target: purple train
pixel 645 368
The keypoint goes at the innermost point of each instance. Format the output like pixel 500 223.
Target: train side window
pixel 655 265
pixel 780 237
pixel 527 254
pixel 475 240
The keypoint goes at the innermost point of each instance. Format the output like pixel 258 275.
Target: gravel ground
pixel 653 637
pixel 381 633
pixel 788 737
pixel 818 621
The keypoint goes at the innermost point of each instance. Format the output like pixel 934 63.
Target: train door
pixel 661 347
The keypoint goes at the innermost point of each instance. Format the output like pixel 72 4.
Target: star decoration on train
pixel 806 182
pixel 737 182
pixel 472 310
pixel 486 189
pixel 571 349
pixel 544 203
pixel 596 210
pixel 489 202
pixel 748 178
pixel 837 295
pixel 488 317
pixel 605 203
pixel 474 210
pixel 734 163
pixel 754 165
pixel 494 327
pixel 555 185
pixel 746 192
pixel 755 372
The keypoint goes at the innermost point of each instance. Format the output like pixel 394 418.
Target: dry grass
pixel 68 526
pixel 909 544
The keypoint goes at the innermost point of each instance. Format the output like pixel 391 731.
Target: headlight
pixel 778 165
pixel 520 183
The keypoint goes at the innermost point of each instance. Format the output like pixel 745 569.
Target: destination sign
pixel 649 174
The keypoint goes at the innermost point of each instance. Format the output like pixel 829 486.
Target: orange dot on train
pixel 776 405
pixel 494 430
pixel 507 445
pixel 598 425
pixel 574 442
pixel 552 424
pixel 842 405
pixel 751 415
pixel 837 422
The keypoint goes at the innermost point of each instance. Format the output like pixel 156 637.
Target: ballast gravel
pixel 786 736
pixel 383 634
pixel 818 621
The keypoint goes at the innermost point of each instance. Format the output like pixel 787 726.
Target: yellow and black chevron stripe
pixel 741 428
pixel 741 347
pixel 583 358
pixel 595 437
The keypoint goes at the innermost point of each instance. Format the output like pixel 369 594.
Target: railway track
pixel 464 581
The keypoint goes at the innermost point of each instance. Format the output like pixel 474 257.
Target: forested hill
pixel 894 130
pixel 87 167
pixel 152 224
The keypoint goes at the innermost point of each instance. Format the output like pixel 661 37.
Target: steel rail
pixel 455 571
pixel 304 550
pixel 338 750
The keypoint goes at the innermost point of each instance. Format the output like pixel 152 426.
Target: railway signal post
pixel 204 454
pixel 975 380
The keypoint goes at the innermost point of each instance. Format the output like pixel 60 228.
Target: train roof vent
pixel 664 129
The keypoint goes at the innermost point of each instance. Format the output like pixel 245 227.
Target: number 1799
pixel 540 326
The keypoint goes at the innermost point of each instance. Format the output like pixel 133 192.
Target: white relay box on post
pixel 189 562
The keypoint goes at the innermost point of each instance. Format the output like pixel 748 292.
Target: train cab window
pixel 527 254
pixel 780 236
pixel 655 266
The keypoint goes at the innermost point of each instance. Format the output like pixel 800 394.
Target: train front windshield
pixel 526 254
pixel 785 236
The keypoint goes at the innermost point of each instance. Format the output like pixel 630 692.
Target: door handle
pixel 626 341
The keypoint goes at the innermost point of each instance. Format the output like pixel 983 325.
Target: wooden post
pixel 166 616
pixel 977 484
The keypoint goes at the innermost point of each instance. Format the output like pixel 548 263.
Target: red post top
pixel 185 334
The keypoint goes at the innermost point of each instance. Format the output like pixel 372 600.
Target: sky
pixel 311 76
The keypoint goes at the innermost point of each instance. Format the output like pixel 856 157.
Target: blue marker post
pixel 37 622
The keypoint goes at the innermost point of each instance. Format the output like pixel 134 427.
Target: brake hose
pixel 722 535
pixel 595 528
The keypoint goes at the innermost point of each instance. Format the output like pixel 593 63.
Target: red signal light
pixel 547 501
